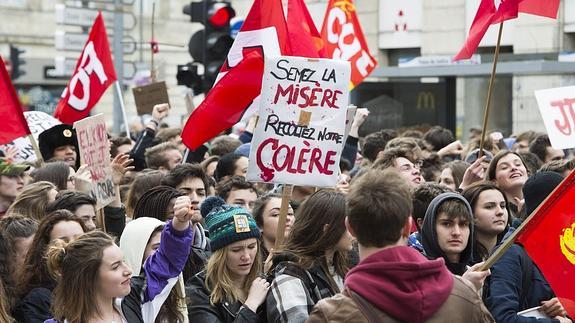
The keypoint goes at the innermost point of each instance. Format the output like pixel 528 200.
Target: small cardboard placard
pixel 302 122
pixel 149 95
pixel 557 107
pixel 95 151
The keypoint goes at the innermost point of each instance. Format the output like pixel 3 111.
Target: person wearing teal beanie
pixel 230 289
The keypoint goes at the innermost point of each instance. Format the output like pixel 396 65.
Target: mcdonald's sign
pixel 425 100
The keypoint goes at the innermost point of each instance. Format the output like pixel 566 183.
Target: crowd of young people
pixel 401 238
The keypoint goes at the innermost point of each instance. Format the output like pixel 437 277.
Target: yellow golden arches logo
pixel 567 241
pixel 425 100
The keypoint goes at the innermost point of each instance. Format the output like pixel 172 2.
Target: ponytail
pixel 55 257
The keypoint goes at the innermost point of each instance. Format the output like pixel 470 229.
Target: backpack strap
pixel 364 306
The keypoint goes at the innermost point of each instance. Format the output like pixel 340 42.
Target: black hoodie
pixel 429 234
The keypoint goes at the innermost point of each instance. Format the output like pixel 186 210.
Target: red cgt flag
pixel 489 13
pixel 93 74
pixel 14 124
pixel 549 239
pixel 344 39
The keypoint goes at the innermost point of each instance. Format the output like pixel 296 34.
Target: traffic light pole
pixel 119 64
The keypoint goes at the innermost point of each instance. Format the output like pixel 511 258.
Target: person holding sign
pixel 314 261
pixel 230 289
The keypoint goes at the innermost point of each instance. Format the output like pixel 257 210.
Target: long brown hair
pixel 77 264
pixel 471 194
pixel 220 282
pixel 308 240
pixel 32 201
pixel 35 272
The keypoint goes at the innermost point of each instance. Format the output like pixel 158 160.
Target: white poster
pixel 300 133
pixel 557 107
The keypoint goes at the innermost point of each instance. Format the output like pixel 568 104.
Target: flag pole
pixel 39 157
pixel 490 91
pixel 122 107
pixel 280 231
pixel 509 241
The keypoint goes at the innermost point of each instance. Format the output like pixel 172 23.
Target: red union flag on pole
pixel 344 39
pixel 238 84
pixel 496 11
pixel 93 74
pixel 14 124
pixel 549 239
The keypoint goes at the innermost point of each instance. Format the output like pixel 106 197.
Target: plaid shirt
pixel 294 292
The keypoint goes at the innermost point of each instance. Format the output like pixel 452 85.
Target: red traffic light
pixel 219 14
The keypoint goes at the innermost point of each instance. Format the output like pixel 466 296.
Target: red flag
pixel 264 32
pixel 344 39
pixel 489 14
pixel 549 239
pixel 486 15
pixel 93 74
pixel 545 8
pixel 304 38
pixel 14 124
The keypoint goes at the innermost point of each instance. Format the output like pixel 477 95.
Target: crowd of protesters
pixel 401 238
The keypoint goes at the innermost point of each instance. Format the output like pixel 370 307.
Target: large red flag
pixel 304 38
pixel 264 32
pixel 14 124
pixel 344 39
pixel 549 239
pixel 93 74
pixel 488 14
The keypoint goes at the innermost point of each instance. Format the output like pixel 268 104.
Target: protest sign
pixel 148 96
pixel 95 152
pixel 302 115
pixel 557 107
pixel 37 122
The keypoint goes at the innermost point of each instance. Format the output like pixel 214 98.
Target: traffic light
pixel 210 45
pixel 16 62
pixel 188 75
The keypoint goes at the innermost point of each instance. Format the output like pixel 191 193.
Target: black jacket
pixel 34 307
pixel 200 309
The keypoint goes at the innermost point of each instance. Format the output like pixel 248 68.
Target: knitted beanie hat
pixel 538 187
pixel 227 223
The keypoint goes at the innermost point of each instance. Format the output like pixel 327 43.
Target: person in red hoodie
pixel 393 282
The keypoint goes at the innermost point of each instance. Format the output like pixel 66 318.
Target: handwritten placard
pixel 299 136
pixel 557 107
pixel 95 152
pixel 37 122
pixel 147 96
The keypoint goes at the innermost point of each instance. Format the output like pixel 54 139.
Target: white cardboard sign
pixel 557 107
pixel 95 151
pixel 285 150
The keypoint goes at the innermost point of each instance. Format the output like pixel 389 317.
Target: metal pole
pixel 141 27
pixel 119 63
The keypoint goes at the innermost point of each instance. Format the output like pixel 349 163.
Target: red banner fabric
pixel 549 239
pixel 344 39
pixel 93 74
pixel 14 124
